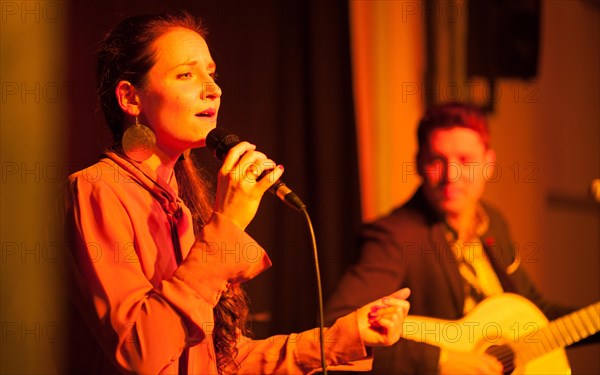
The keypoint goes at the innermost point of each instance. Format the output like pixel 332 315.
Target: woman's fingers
pixel 245 165
pixel 243 179
pixel 403 293
pixel 380 322
pixel 390 317
pixel 234 156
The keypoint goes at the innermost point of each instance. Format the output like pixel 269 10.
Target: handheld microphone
pixel 220 141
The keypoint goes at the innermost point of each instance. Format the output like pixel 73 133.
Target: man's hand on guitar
pixel 452 362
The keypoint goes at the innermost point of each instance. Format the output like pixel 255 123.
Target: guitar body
pixel 506 320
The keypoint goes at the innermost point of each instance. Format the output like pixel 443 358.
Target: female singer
pixel 155 288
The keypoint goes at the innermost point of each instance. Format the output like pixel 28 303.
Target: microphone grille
pixel 220 141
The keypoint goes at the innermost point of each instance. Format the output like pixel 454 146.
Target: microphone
pixel 220 141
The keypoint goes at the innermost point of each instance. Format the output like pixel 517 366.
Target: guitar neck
pixel 562 332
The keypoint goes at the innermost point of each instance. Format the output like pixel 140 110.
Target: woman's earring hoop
pixel 138 141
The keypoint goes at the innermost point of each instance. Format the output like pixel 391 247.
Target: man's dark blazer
pixel 407 248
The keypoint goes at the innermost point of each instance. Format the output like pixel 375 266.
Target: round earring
pixel 138 141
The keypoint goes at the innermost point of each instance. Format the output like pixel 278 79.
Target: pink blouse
pixel 142 309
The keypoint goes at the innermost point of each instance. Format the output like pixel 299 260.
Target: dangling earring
pixel 138 141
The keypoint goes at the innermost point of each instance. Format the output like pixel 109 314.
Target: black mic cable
pixel 220 141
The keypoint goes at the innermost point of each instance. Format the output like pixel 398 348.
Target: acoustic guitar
pixel 512 329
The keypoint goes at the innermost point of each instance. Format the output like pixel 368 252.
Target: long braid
pixel 231 312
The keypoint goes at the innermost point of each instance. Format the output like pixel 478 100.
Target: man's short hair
pixel 449 115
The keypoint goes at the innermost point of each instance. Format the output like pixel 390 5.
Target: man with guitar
pixel 450 248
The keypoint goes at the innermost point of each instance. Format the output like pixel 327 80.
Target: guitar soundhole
pixel 505 355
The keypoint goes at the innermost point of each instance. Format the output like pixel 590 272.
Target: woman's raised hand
pixel 380 322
